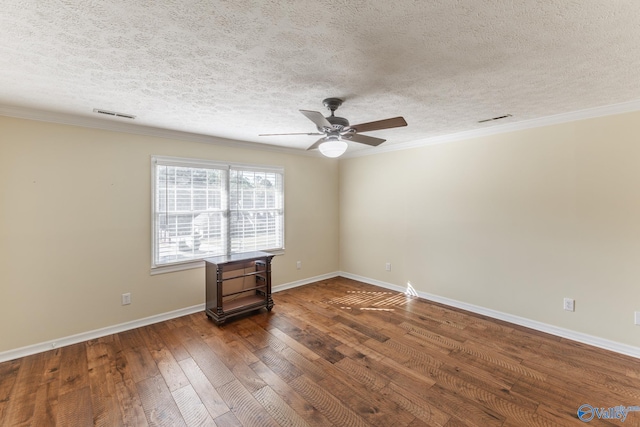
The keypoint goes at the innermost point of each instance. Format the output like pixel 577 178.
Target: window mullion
pixel 228 211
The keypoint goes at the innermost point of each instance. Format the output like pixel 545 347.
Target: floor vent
pixel 495 118
pixel 114 114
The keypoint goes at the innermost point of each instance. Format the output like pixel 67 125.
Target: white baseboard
pixel 538 326
pixel 97 333
pixel 303 282
pixel 521 321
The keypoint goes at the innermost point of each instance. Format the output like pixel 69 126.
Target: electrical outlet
pixel 298 265
pixel 126 298
pixel 637 317
pixel 387 266
pixel 569 304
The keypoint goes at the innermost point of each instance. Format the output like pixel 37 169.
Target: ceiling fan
pixel 337 130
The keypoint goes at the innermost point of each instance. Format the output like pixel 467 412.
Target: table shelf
pixel 237 284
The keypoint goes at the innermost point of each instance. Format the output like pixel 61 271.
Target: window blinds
pixel 203 209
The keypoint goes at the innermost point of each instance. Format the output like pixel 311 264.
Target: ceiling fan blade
pixel 317 118
pixel 300 133
pixel 380 124
pixel 316 144
pixel 364 139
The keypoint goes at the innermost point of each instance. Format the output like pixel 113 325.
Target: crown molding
pixel 117 125
pixel 590 113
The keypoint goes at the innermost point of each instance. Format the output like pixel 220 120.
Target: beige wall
pixel 512 222
pixel 75 227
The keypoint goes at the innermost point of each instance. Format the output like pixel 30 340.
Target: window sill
pixel 193 264
pixel 176 267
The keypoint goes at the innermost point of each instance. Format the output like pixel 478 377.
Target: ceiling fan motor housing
pixel 338 121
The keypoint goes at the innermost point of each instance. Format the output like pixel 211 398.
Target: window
pixel 203 209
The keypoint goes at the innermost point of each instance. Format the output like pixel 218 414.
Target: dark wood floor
pixel 338 353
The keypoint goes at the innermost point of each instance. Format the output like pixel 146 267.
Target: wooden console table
pixel 237 284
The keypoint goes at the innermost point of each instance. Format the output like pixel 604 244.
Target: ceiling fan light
pixel 333 148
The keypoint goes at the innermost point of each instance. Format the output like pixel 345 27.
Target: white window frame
pixel 156 161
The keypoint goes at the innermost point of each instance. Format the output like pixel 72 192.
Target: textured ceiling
pixel 238 68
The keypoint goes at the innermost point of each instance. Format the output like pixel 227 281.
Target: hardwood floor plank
pixel 330 406
pixel 366 329
pixel 186 333
pixel 571 365
pixel 46 405
pixel 141 365
pixel 119 360
pixel 228 420
pixel 193 411
pixel 75 409
pixel 399 349
pixel 421 409
pixel 207 393
pixel 177 322
pixel 309 413
pixel 567 418
pixel 247 355
pixel 280 365
pixel 480 352
pixel 454 422
pixel 293 344
pixel 8 376
pixel 171 341
pixel 311 369
pixel 202 325
pixel 210 364
pixel 97 353
pixel 576 381
pixel 236 364
pixel 130 406
pixel 439 341
pixel 392 372
pixel 74 372
pixel 334 353
pixel 131 411
pixel 565 395
pixel 458 406
pixel 164 360
pixel 244 406
pixel 253 336
pixel 362 374
pixel 504 404
pixel 104 396
pixel 22 400
pixel 170 369
pixel 159 406
pixel 372 407
pixel 281 412
pixel 131 338
pixel 509 341
pixel 323 345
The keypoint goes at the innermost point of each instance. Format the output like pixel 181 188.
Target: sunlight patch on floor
pixel 371 300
